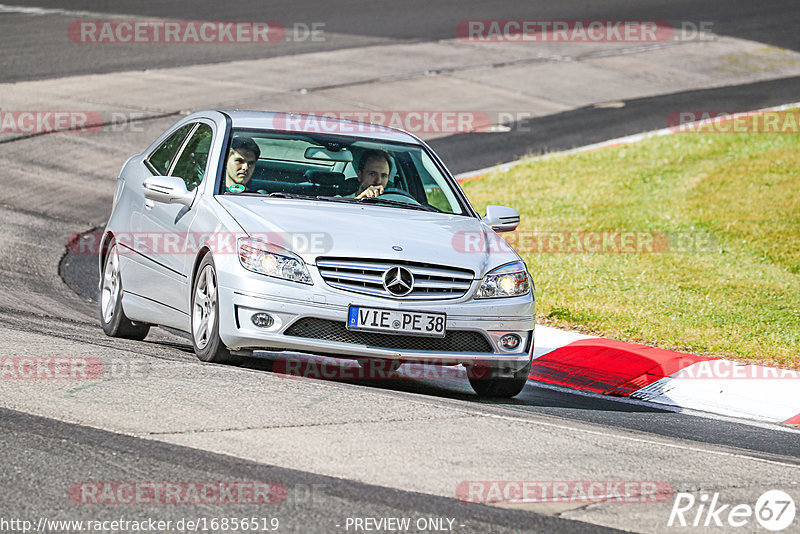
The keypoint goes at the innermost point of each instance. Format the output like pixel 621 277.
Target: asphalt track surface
pixel 312 503
pixel 41 53
pixel 44 457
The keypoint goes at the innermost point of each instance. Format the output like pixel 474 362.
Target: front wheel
pixel 205 316
pixel 486 384
pixel 113 319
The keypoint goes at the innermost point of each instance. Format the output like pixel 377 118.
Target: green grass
pixel 737 297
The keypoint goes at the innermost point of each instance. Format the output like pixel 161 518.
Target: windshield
pixel 337 168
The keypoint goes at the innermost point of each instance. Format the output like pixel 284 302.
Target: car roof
pixel 301 122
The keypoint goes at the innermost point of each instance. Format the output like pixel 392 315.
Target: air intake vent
pixel 454 341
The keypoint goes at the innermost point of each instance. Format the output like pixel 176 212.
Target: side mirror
pixel 167 189
pixel 501 218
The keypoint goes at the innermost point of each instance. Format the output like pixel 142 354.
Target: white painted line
pixel 653 441
pixel 27 10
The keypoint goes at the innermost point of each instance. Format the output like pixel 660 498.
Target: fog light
pixel 510 341
pixel 262 320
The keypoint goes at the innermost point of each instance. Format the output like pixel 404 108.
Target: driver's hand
pixel 371 192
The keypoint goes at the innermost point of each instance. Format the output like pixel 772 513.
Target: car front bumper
pixel 475 325
pixel 323 311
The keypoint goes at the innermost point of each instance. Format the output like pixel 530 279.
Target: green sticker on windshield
pixel 236 188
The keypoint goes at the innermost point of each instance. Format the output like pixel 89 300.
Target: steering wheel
pixel 399 192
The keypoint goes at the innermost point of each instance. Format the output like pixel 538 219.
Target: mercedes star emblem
pixel 398 281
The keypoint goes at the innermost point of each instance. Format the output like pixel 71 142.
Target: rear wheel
pixel 484 381
pixel 205 316
pixel 112 317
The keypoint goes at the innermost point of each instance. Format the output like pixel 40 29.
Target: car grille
pixel 454 340
pixel 431 282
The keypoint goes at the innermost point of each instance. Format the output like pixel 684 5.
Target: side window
pixel 162 157
pixel 191 164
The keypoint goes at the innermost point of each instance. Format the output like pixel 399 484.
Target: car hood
pixel 314 229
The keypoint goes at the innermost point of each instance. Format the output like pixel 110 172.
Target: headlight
pixel 507 281
pixel 272 260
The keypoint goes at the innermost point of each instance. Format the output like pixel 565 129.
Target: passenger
pixel 241 163
pixel 373 172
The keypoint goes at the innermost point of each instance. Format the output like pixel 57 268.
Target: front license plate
pixel 396 321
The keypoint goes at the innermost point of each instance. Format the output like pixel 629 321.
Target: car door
pixel 138 261
pixel 165 228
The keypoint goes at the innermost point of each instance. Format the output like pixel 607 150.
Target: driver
pixel 373 172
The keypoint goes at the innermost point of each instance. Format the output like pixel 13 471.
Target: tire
pixel 112 317
pixel 486 385
pixel 205 317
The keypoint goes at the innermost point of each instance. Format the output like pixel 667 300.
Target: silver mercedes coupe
pixel 260 231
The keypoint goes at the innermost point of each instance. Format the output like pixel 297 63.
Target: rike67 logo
pixel 774 511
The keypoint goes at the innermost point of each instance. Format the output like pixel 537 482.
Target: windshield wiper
pixel 347 200
pixel 281 194
pixel 397 204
